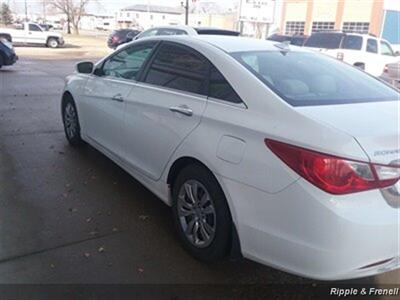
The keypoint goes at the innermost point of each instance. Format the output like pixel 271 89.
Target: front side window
pixel 314 79
pixel 127 63
pixel 33 27
pixel 179 68
pixel 372 46
pixel 352 42
pixel 219 87
pixel 386 49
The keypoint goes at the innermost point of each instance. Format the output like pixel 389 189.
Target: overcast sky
pixel 103 6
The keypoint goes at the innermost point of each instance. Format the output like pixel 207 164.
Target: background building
pixel 378 17
pixel 146 16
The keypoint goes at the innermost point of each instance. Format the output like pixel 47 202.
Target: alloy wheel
pixel 196 212
pixel 70 121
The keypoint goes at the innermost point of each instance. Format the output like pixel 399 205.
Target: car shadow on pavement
pixel 137 200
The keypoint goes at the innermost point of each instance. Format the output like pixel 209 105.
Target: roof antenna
pixel 283 45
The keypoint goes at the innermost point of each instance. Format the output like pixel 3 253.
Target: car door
pixel 18 35
pixel 164 107
pixel 105 92
pixel 35 35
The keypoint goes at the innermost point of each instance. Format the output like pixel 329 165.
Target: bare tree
pixel 73 9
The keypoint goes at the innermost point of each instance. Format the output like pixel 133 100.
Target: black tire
pixel 73 136
pixel 52 43
pixel 1 61
pixel 220 244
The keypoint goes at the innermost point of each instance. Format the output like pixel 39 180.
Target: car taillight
pixel 340 56
pixel 386 69
pixel 333 174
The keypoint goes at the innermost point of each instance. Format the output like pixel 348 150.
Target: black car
pixel 297 40
pixel 7 53
pixel 121 36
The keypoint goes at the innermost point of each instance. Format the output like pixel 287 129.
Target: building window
pixel 128 15
pixel 137 16
pixel 322 26
pixel 151 17
pixel 163 17
pixel 295 28
pixel 359 27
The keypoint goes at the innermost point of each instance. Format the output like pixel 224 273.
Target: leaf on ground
pixel 101 249
pixel 86 254
pixel 143 217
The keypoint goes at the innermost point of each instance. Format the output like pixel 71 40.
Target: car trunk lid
pixel 375 126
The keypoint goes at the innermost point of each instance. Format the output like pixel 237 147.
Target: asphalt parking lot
pixel 72 216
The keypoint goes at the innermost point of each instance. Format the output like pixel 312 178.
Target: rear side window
pixel 180 68
pixel 324 40
pixel 148 33
pixel 352 42
pixel 372 46
pixel 314 79
pixel 219 87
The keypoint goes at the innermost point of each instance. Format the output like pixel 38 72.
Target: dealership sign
pixel 257 11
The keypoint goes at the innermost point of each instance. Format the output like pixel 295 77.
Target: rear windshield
pixel 305 78
pixel 324 40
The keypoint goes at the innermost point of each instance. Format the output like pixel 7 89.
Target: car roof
pixel 226 43
pixel 239 44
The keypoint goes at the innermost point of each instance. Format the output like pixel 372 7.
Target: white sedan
pixel 286 156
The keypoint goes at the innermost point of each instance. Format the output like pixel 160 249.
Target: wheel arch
pixel 6 36
pixel 176 167
pixel 360 64
pixel 65 97
pixel 53 37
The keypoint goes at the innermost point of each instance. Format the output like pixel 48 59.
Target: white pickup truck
pixel 365 51
pixel 32 33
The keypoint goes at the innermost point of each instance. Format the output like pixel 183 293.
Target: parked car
pixel 364 51
pixel 260 148
pixel 297 40
pixel 391 74
pixel 121 36
pixel 32 33
pixel 185 30
pixel 7 53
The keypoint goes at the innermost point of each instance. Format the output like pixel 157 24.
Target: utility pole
pixel 26 11
pixel 44 11
pixel 186 7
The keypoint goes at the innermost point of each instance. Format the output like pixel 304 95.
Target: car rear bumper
pixel 393 81
pixel 308 232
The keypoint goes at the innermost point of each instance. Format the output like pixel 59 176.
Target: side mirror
pixel 85 67
pixel 397 53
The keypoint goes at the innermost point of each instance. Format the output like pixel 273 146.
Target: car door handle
pixel 118 97
pixel 182 109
